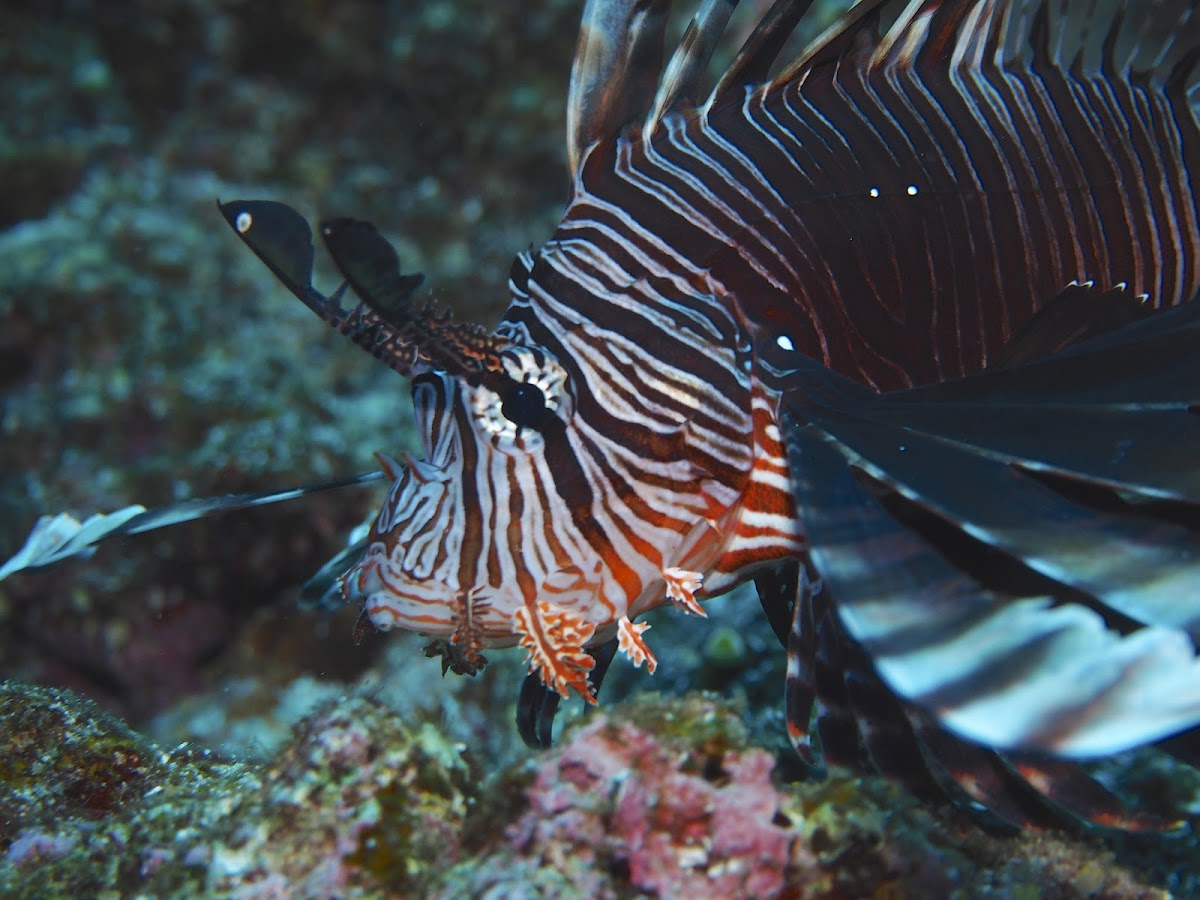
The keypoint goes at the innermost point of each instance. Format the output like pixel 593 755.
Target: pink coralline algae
pixel 675 823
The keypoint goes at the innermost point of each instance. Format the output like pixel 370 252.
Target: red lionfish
pixel 896 328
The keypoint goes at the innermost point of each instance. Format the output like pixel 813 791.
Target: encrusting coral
pixel 658 797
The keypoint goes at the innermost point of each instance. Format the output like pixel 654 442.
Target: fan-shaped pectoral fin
pixel 1023 673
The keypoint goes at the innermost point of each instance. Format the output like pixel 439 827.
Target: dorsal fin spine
pixel 617 64
pixel 681 78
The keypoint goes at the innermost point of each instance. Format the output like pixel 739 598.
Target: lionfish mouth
pixel 461 624
pixel 390 603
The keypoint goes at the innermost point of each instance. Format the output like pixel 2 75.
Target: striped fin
pixel 1112 38
pixel 1019 673
pixel 787 592
pixel 1115 410
pixel 1147 567
pixel 859 714
pixel 617 64
pixel 1079 313
pixel 620 49
pixel 777 591
pixel 618 59
pixel 906 746
pixel 1025 790
pixel 911 745
pixel 685 70
pixel 900 201
pixel 842 741
pixel 856 27
pixel 887 734
pixel 1067 787
pixel 60 537
pixel 977 774
pixel 753 62
pixel 1053 678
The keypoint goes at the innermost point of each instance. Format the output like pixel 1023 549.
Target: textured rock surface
pixel 666 798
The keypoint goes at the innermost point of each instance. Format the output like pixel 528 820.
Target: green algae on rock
pixel 673 796
pixel 358 802
pixel 355 805
pixel 89 805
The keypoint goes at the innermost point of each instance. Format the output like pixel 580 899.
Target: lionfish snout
pixel 406 579
pixel 391 598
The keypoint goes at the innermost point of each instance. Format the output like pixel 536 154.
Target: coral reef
pixel 669 820
pixel 661 797
pixel 88 805
pixel 354 803
pixel 671 798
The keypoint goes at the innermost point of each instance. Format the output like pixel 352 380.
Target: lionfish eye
pixel 523 404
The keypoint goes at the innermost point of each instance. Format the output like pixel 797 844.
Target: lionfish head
pixel 445 556
pixel 470 546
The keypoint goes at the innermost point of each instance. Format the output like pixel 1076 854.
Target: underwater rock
pixel 680 822
pixel 88 805
pixel 671 798
pixel 356 803
pixel 656 797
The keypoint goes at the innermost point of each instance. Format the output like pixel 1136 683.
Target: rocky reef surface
pixel 234 745
pixel 662 797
